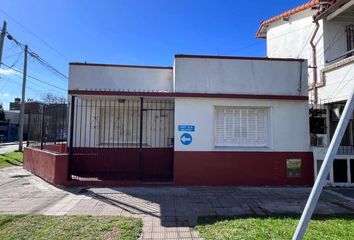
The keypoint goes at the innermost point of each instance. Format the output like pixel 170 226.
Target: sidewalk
pixel 167 212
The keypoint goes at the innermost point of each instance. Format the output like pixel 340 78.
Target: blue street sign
pixel 186 128
pixel 186 139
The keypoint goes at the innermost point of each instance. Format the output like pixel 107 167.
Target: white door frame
pixel 349 177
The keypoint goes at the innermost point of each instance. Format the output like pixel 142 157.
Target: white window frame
pixel 267 125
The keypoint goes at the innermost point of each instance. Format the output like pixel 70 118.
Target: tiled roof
pixel 309 4
pixel 331 5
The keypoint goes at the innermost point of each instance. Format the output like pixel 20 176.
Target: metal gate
pixel 121 138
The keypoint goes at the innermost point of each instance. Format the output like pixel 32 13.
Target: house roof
pixel 307 5
pixel 237 57
pixel 329 8
pixel 117 65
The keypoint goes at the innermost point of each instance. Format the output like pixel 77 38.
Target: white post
pixel 325 169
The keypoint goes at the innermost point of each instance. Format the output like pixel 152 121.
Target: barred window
pixel 239 126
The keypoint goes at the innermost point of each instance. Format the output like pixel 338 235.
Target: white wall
pixel 289 124
pixel 240 76
pixel 115 78
pixel 339 84
pixel 334 39
pixel 292 39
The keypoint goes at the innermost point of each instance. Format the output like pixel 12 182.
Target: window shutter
pixel 241 126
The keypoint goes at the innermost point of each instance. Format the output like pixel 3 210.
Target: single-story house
pixel 208 120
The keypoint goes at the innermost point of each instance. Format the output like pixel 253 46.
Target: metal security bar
pixel 47 125
pixel 110 122
pixel 121 137
pixel 349 30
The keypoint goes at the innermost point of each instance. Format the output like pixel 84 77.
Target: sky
pixel 137 32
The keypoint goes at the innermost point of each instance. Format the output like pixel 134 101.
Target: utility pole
pixel 22 110
pixel 2 40
pixel 325 168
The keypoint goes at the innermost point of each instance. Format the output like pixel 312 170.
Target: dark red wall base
pixel 48 165
pixel 123 163
pixel 239 168
pixel 190 168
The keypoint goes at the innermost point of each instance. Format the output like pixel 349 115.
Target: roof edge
pixel 118 65
pixel 238 57
pixel 287 13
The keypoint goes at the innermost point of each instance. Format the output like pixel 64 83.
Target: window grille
pixel 349 30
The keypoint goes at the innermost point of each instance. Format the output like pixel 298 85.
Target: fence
pixel 48 125
pixel 122 138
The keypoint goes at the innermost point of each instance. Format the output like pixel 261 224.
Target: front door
pixel 127 138
pixel 157 140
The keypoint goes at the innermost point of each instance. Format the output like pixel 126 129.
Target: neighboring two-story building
pixel 323 33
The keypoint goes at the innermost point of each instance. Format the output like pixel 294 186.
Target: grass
pixel 321 228
pixel 68 227
pixel 11 159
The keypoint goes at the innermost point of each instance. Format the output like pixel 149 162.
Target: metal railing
pixel 123 123
pixel 121 138
pixel 48 125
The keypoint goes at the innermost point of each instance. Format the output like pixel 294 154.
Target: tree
pixel 50 98
pixel 2 114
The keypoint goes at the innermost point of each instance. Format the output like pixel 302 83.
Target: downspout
pixel 314 63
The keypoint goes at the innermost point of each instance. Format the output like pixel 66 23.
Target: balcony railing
pixel 349 33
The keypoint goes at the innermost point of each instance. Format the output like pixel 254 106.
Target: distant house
pixel 208 120
pixel 323 33
pixel 10 128
pixel 30 106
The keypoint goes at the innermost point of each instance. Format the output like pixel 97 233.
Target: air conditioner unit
pixel 320 141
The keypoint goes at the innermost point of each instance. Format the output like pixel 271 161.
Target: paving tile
pixel 167 212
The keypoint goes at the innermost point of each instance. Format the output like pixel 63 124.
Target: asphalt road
pixel 4 148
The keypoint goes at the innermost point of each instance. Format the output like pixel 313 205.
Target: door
pixel 340 171
pixel 157 140
pixel 122 138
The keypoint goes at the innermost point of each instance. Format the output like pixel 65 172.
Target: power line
pixel 19 84
pixel 3 86
pixel 46 64
pixel 37 57
pixel 270 39
pixel 16 61
pixel 34 78
pixel 13 55
pixel 337 90
pixel 35 35
pixel 332 43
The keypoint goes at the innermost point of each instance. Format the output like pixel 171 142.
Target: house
pixel 9 130
pixel 323 33
pixel 9 127
pixel 208 120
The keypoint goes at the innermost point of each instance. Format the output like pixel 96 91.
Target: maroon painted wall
pixel 108 162
pixel 239 168
pixel 51 167
pixel 59 148
pixel 123 163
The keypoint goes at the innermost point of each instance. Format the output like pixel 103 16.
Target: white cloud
pixel 8 71
pixel 5 94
